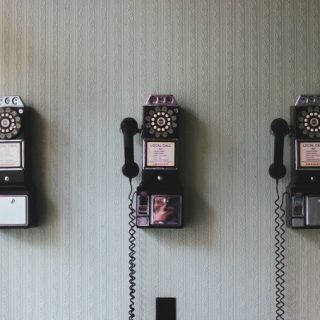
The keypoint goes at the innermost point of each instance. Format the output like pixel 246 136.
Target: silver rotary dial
pixel 161 121
pixel 10 123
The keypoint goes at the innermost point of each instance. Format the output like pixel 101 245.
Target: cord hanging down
pixel 132 253
pixel 279 254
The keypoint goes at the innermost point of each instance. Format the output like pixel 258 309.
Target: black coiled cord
pixel 279 254
pixel 132 253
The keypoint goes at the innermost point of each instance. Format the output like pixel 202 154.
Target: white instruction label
pixel 309 154
pixel 161 154
pixel 10 155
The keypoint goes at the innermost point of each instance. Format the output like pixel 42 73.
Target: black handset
pixel 303 207
pixel 16 196
pixel 159 195
pixel 279 128
pixel 129 128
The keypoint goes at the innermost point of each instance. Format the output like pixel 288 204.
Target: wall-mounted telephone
pixel 16 199
pixel 303 191
pixel 303 205
pixel 159 195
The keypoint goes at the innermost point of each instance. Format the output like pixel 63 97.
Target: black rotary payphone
pixel 16 196
pixel 159 195
pixel 303 192
pixel 303 205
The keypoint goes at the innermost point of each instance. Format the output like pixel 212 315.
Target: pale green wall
pixel 83 66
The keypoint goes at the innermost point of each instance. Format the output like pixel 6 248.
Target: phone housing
pixel 16 192
pixel 159 198
pixel 303 205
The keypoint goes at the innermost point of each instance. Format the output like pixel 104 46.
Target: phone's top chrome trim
pixel 11 101
pixel 307 100
pixel 162 100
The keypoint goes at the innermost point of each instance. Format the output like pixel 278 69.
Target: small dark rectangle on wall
pixel 165 308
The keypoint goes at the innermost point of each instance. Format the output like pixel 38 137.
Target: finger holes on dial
pixel 164 108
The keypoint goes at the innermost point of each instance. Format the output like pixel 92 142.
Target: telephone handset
pixel 159 195
pixel 16 199
pixel 303 206
pixel 129 128
pixel 280 129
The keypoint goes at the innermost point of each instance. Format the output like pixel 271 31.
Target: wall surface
pixel 85 65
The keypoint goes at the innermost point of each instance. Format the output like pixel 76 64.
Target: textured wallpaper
pixel 233 65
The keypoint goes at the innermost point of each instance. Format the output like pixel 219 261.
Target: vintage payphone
pixel 16 194
pixel 303 205
pixel 303 192
pixel 159 195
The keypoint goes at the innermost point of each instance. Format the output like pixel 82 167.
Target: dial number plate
pixel 10 123
pixel 162 121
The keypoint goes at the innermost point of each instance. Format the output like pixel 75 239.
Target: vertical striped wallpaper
pixel 85 65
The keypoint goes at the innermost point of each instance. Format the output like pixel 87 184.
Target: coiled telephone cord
pixel 279 254
pixel 132 253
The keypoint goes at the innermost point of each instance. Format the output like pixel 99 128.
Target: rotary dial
pixel 161 122
pixel 10 123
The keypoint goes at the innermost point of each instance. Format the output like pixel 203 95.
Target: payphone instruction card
pixel 10 155
pixel 309 154
pixel 160 154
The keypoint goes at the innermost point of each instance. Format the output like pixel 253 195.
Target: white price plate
pixel 13 210
pixel 161 154
pixel 10 155
pixel 309 154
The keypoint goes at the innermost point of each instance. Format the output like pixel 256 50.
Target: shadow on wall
pixel 44 208
pixel 194 150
